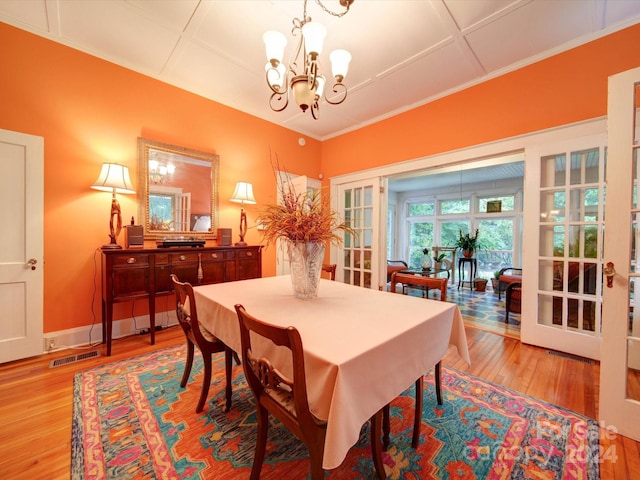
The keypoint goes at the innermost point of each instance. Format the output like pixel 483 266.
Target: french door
pixel 563 238
pixel 359 206
pixel 620 363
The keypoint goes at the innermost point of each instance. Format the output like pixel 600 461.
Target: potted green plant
pixel 468 243
pixel 438 261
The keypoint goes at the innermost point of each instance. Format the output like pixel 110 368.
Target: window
pixel 499 231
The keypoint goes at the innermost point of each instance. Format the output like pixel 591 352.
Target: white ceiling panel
pixel 405 52
pixel 116 28
pixel 469 14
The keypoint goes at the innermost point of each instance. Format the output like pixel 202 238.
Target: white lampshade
pixel 274 43
pixel 340 63
pixel 313 33
pixel 114 178
pixel 243 193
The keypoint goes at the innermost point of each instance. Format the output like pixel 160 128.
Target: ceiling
pixel 405 52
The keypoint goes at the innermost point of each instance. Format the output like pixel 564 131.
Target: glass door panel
pixel 358 206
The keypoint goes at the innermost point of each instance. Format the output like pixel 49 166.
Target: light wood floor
pixel 36 401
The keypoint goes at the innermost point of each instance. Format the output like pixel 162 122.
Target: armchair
pixel 395 266
pixel 513 299
pixel 506 276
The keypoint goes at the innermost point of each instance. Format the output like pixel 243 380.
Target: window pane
pixel 160 211
pixel 552 171
pixel 420 237
pixel 552 206
pixel 422 209
pixel 449 232
pixel 448 207
pixel 585 166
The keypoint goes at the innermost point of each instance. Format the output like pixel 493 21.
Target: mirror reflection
pixel 178 190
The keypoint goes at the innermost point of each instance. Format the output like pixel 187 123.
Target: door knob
pixel 32 263
pixel 609 272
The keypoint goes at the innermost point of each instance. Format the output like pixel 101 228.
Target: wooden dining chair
pixel 426 283
pixel 197 335
pixel 285 398
pixel 330 269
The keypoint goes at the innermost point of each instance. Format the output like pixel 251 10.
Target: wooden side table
pixel 473 266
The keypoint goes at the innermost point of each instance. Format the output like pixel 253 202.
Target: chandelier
pixel 158 172
pixel 302 77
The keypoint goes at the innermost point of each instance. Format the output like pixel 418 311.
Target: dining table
pixel 362 347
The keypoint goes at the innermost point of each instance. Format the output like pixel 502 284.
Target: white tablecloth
pixel 362 347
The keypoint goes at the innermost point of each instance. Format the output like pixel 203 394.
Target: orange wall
pixel 90 111
pixel 566 88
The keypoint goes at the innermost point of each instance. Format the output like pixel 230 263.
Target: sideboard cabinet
pixel 130 274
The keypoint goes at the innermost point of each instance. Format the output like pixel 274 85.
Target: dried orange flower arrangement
pixel 302 217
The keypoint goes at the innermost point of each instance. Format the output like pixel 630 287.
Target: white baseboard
pixel 91 335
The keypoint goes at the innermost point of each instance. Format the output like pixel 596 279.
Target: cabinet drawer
pixel 246 254
pixel 161 258
pixel 215 256
pixel 177 258
pixel 130 260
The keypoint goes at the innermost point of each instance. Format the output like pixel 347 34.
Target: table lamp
pixel 114 178
pixel 243 194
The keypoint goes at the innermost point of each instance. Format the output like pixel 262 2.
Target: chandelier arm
pixel 276 90
pixel 277 98
pixel 341 90
pixel 315 110
pixel 312 72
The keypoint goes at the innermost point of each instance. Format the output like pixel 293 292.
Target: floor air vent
pixel 73 358
pixel 570 356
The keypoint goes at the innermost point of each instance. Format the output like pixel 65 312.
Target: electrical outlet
pixel 50 344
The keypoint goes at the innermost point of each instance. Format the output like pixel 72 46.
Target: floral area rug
pixel 131 420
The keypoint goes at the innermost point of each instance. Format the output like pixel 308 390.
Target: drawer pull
pixel 249 254
pixel 131 260
pixel 182 258
pixel 214 255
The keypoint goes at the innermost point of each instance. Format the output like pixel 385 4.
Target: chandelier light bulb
pixel 340 64
pixel 314 34
pixel 274 42
pixel 171 168
pixel 153 165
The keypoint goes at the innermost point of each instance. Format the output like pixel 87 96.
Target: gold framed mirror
pixel 177 191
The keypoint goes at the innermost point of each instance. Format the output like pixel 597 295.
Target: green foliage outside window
pixel 421 237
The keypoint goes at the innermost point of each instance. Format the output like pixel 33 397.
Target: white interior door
pixel 620 364
pixel 300 183
pixel 21 245
pixel 562 245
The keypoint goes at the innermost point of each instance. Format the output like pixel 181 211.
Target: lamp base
pixel 111 246
pixel 240 244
